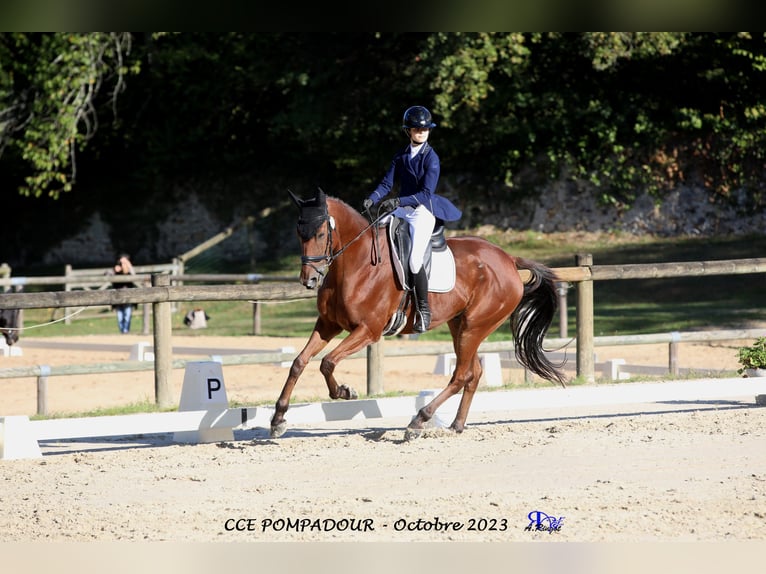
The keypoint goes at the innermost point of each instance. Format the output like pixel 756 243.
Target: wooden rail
pixel 43 372
pixel 161 295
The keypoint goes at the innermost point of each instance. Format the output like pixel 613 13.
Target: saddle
pixel 438 262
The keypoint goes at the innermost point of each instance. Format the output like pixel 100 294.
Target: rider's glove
pixel 390 204
pixel 367 204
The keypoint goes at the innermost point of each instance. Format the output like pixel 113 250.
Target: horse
pixel 344 258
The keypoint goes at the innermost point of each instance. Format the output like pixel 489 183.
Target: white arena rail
pixel 204 415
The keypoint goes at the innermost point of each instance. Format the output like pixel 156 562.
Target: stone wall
pixel 563 206
pixel 687 211
pixel 186 227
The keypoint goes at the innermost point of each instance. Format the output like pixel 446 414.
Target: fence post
pixel 67 287
pixel 673 353
pixel 256 318
pixel 375 368
pixel 586 367
pixel 42 390
pixel 163 350
pixel 561 288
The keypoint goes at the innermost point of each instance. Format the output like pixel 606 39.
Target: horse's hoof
pixel 348 393
pixel 412 434
pixel 414 429
pixel 278 430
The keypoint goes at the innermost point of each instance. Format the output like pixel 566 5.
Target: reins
pixel 362 232
pixel 329 257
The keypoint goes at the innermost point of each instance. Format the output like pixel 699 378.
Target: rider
pixel 417 169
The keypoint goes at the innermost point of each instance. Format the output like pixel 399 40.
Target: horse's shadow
pixel 386 433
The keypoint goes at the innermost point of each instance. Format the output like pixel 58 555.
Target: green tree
pixel 626 111
pixel 50 89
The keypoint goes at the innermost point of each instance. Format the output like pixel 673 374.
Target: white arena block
pixel 492 375
pixel 445 364
pixel 12 351
pixel 204 389
pixel 612 371
pixel 138 352
pixel 17 439
pixel 286 364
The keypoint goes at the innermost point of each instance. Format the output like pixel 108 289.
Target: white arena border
pixel 19 436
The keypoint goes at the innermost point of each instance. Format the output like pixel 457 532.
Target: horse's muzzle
pixel 311 275
pixel 311 282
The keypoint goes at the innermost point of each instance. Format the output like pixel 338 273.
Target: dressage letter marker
pixel 204 389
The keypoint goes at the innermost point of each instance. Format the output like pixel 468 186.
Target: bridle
pixel 329 257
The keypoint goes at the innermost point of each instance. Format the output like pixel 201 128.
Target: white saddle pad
pixel 442 277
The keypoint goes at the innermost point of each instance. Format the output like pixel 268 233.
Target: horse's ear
pixel 321 197
pixel 296 200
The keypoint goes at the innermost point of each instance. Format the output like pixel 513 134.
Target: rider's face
pixel 419 135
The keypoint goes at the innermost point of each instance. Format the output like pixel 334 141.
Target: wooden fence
pixel 76 279
pixel 100 278
pixel 161 294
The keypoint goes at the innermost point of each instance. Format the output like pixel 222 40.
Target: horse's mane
pixel 356 218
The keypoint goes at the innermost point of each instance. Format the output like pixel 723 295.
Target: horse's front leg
pixel 317 341
pixel 357 340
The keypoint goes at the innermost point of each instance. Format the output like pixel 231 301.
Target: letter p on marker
pixel 213 385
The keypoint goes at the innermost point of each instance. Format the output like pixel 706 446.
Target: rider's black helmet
pixel 417 117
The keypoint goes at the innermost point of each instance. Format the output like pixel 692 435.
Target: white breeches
pixel 421 222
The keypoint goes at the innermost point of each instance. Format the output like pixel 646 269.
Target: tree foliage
pixel 50 86
pixel 625 111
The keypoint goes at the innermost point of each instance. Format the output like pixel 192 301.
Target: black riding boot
pixel 423 311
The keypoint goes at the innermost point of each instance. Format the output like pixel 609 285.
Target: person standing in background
pixel 125 311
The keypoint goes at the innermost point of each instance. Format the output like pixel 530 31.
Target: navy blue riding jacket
pixel 417 178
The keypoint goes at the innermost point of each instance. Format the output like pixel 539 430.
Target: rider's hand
pixel 390 204
pixel 367 204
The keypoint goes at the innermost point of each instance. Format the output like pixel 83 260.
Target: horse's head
pixel 9 319
pixel 315 227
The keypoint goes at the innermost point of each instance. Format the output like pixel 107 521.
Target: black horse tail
pixel 532 318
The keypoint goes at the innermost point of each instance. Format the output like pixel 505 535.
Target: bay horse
pixel 344 258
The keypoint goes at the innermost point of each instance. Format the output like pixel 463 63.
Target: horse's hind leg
pixel 461 379
pixel 466 340
pixel 458 424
